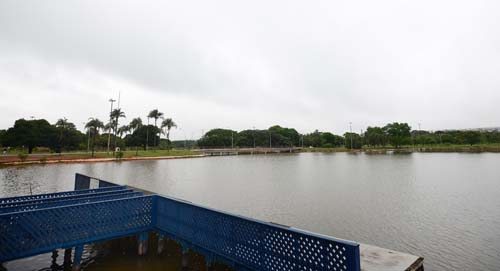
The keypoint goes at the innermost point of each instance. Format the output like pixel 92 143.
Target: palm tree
pixel 135 124
pixel 115 115
pixel 155 114
pixel 123 130
pixel 169 124
pixel 61 124
pixel 94 125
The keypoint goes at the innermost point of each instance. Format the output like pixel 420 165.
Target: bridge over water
pixel 35 224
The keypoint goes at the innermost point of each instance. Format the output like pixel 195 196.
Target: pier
pixel 99 210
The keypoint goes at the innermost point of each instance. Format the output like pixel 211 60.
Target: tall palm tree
pixel 107 128
pixel 135 124
pixel 169 124
pixel 94 125
pixel 116 114
pixel 61 124
pixel 155 114
pixel 123 130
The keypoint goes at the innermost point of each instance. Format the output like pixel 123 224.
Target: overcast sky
pixel 243 64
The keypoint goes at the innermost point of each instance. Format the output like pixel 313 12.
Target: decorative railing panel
pixel 60 203
pixel 95 193
pixel 31 232
pixel 253 244
pixel 36 224
pixel 11 200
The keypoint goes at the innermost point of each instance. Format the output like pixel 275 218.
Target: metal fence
pixel 32 232
pixel 36 224
pixel 253 244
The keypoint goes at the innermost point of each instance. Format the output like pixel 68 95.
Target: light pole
pixel 350 131
pixel 270 140
pixel 109 132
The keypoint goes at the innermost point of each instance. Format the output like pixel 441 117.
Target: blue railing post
pixel 161 243
pixel 185 259
pixel 77 261
pixel 209 261
pixel 67 258
pixel 143 244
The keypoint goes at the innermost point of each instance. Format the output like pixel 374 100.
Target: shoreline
pixel 382 151
pixel 96 160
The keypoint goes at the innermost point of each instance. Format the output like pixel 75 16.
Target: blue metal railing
pixel 29 233
pixel 101 214
pixel 60 203
pixel 95 193
pixel 12 200
pixel 253 244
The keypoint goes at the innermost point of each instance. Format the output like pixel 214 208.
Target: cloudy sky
pixel 242 64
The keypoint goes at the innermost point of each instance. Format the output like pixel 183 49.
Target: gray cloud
pixel 240 64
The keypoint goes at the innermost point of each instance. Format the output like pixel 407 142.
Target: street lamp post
pixel 110 111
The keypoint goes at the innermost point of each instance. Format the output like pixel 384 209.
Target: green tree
pixel 284 137
pixel 2 135
pixel 168 123
pixel 398 133
pixel 216 138
pixel 252 138
pixel 375 136
pixel 94 125
pixel 329 140
pixel 352 141
pixel 115 115
pixel 135 124
pixel 155 114
pixel 472 137
pixel 313 139
pixel 30 134
pixel 68 136
pixel 136 138
pixel 124 129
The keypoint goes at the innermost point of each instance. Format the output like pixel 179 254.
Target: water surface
pixel 442 206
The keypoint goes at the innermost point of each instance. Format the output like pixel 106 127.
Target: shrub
pixel 119 155
pixel 22 156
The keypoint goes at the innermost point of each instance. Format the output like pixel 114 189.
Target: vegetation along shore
pixel 38 141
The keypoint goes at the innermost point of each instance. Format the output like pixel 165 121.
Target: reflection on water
pixel 121 255
pixel 442 206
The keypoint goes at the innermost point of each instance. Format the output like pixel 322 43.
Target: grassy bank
pixel 415 148
pixel 98 156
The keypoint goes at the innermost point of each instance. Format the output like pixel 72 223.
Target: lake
pixel 442 206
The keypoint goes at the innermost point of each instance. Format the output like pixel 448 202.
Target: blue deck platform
pixel 31 225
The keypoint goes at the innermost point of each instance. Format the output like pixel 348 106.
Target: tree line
pixel 63 136
pixel 391 135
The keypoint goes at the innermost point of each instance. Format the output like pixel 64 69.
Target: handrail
pixel 58 194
